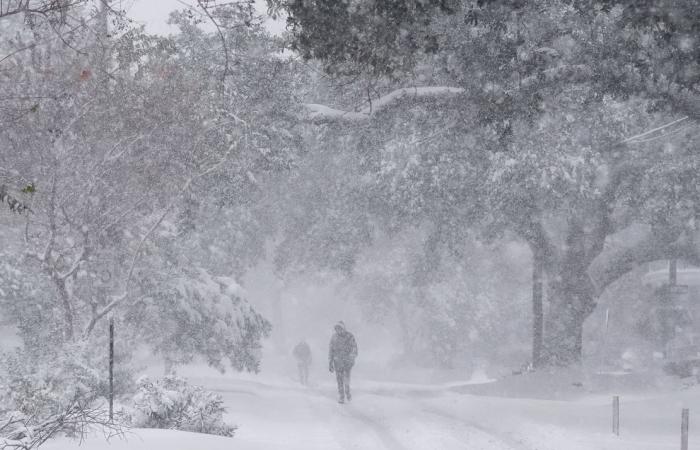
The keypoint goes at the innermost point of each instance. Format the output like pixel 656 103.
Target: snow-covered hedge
pixel 172 403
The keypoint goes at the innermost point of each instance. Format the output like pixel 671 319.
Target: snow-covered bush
pixel 43 398
pixel 172 403
pixel 43 383
pixel 44 388
pixel 20 431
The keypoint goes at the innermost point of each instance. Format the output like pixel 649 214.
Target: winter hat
pixel 340 324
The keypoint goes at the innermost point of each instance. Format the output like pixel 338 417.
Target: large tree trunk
pixel 571 300
pixel 571 296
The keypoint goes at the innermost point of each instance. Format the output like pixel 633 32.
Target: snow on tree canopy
pixel 200 314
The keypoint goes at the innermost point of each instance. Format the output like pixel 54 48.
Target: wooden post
pixel 685 419
pixel 616 416
pixel 111 369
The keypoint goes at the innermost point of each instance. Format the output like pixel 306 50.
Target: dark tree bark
pixel 572 297
pixel 579 274
pixel 570 304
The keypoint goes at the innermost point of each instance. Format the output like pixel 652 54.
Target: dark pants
pixel 303 372
pixel 342 376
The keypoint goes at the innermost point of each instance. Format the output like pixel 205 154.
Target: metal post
pixel 685 419
pixel 111 369
pixel 537 311
pixel 616 416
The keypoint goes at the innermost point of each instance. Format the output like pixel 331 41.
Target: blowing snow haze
pixel 405 225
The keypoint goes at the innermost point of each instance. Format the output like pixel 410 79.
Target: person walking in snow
pixel 302 353
pixel 341 358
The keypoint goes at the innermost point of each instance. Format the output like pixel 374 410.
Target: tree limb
pixel 645 134
pixel 224 43
pixel 612 264
pixel 604 226
pixel 322 113
pixel 534 233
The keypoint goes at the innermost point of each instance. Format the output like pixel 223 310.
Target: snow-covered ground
pixel 273 412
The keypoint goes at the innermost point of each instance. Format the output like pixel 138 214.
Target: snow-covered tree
pixel 126 144
pixel 542 106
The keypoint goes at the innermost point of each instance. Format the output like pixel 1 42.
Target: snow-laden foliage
pixel 42 382
pixel 58 392
pixel 134 154
pixel 198 314
pixel 19 431
pixel 173 403
pixel 574 122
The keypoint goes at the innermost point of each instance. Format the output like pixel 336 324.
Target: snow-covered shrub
pixel 44 387
pixel 43 398
pixel 172 403
pixel 20 431
pixel 43 383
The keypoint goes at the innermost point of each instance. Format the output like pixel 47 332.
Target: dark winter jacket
pixel 343 350
pixel 302 352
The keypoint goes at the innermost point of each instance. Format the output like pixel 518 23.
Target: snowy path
pixel 376 419
pixel 279 414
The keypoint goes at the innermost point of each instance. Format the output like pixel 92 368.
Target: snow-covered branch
pixel 323 113
pixel 650 246
pixel 21 432
pixel 654 133
pixel 119 299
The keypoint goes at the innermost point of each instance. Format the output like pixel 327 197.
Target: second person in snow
pixel 302 353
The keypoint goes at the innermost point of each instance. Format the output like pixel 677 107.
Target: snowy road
pixel 310 418
pixel 412 417
pixel 278 414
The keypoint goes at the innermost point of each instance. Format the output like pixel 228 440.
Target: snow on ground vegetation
pixel 513 413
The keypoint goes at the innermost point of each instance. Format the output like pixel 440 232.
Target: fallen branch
pixel 21 432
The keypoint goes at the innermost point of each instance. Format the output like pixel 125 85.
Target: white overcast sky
pixel 154 13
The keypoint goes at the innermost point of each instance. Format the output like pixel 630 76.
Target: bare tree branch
pixel 21 432
pixel 224 43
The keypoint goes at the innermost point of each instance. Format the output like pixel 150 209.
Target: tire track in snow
pixel 506 439
pixel 342 430
pixel 380 431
